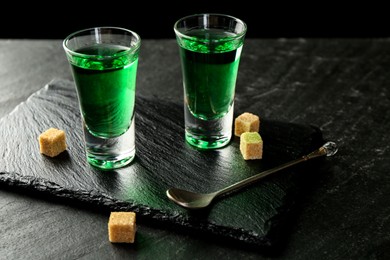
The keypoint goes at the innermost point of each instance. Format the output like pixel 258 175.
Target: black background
pixel 56 20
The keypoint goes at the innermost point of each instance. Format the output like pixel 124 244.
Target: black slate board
pixel 255 216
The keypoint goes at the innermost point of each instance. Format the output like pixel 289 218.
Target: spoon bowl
pixel 194 200
pixel 189 199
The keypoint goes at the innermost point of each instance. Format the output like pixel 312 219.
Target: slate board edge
pixel 96 200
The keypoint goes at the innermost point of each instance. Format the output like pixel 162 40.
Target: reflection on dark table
pixel 339 85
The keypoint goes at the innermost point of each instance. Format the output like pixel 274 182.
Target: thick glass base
pixel 208 134
pixel 204 142
pixel 110 153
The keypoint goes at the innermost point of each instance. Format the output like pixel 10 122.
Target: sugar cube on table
pixel 122 227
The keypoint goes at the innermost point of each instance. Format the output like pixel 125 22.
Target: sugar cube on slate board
pixel 254 216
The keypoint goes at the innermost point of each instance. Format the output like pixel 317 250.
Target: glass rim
pixel 237 36
pixel 72 52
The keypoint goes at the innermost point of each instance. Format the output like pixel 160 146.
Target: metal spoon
pixel 193 200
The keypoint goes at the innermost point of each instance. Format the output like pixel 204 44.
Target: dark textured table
pixel 338 85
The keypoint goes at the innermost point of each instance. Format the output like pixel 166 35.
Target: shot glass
pixel 104 63
pixel 210 47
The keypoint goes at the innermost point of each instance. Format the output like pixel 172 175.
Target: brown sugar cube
pixel 122 227
pixel 251 145
pixel 246 122
pixel 52 142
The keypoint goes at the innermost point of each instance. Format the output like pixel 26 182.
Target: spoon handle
pixel 328 149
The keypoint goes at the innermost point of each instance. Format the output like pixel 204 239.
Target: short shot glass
pixel 210 47
pixel 104 63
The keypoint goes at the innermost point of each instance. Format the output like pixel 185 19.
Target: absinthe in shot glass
pixel 210 60
pixel 106 89
pixel 210 63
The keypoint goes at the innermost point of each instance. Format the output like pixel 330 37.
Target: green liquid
pixel 210 65
pixel 106 89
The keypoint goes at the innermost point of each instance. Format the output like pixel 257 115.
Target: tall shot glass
pixel 104 63
pixel 210 49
